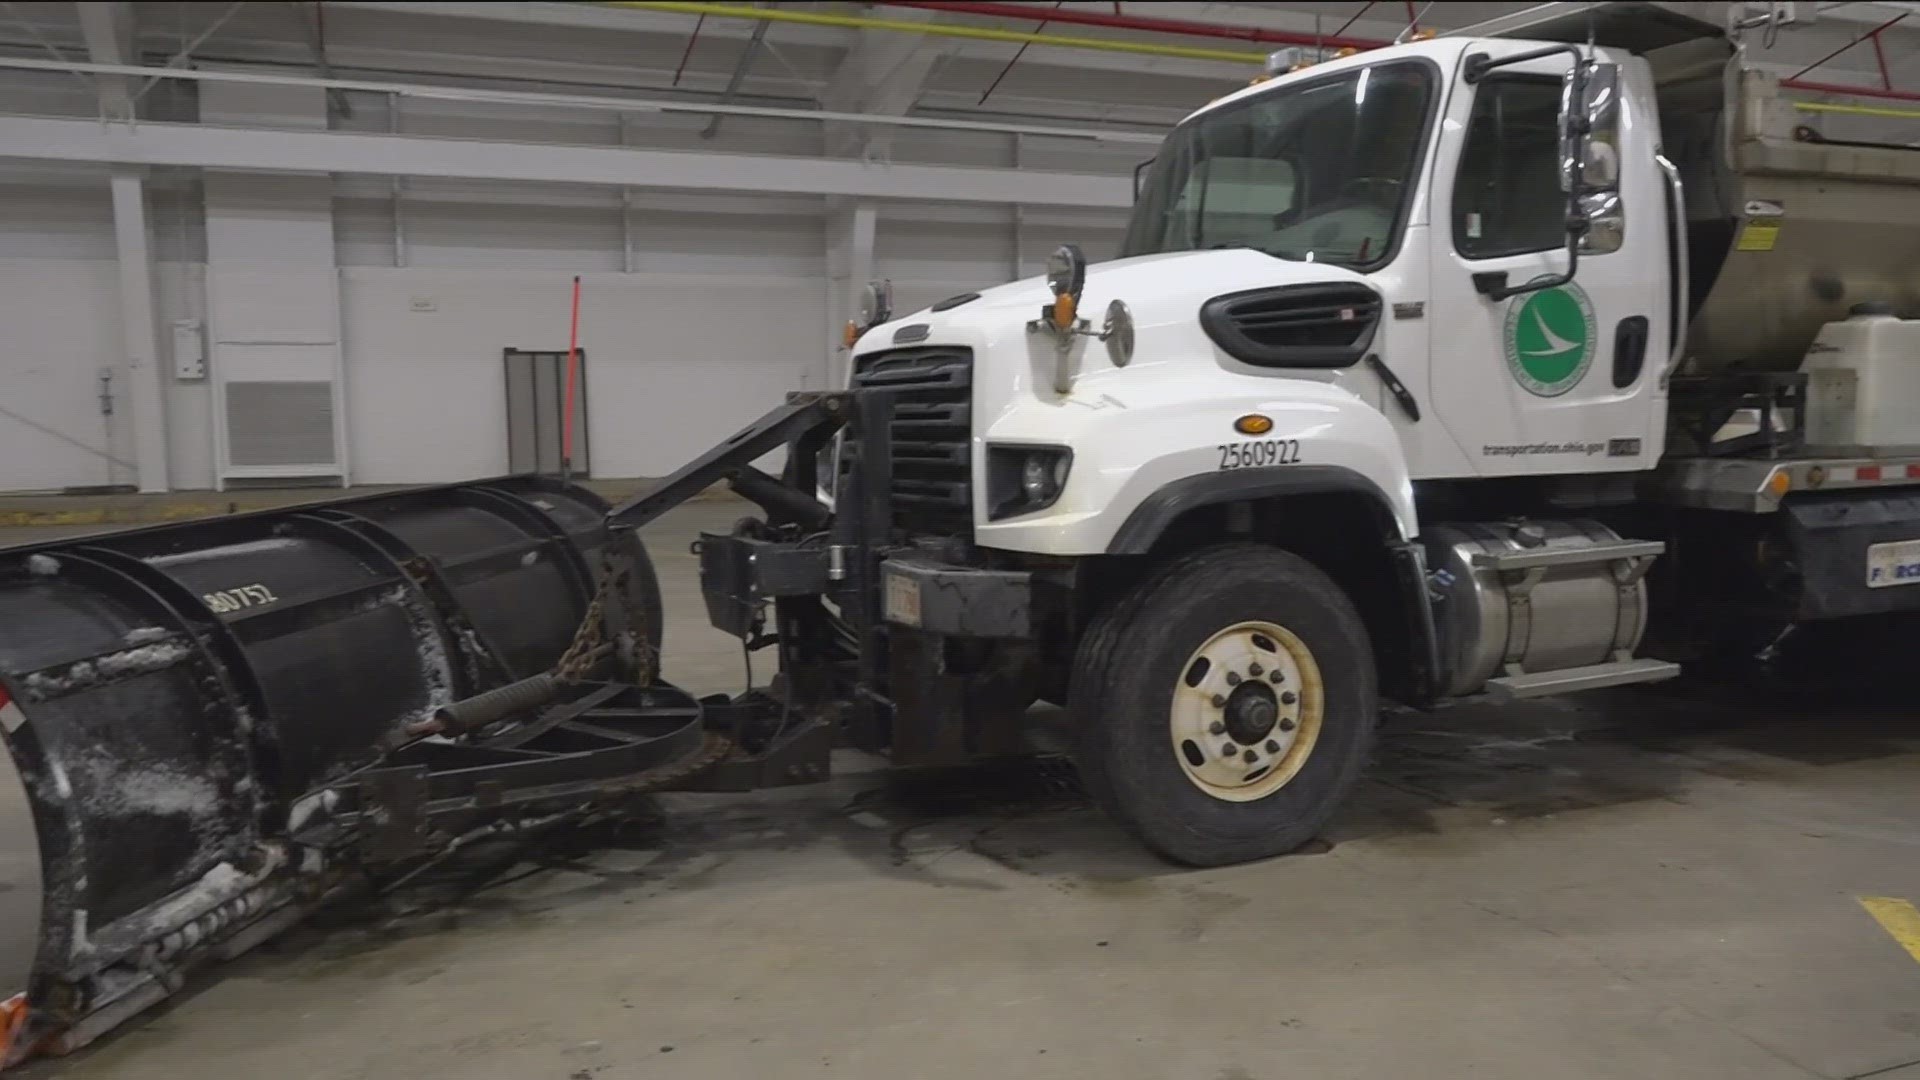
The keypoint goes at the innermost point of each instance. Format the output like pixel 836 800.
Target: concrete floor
pixel 1644 885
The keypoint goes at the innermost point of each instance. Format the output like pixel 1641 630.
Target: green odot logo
pixel 1550 339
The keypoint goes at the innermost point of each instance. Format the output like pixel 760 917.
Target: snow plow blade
pixel 212 725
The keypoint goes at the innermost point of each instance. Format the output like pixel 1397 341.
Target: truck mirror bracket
pixel 1479 64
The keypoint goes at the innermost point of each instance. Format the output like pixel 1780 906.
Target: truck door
pixel 1560 380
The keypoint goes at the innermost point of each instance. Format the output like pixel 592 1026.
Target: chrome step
pixel 1508 688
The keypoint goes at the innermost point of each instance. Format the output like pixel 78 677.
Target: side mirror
pixel 1590 156
pixel 1590 128
pixel 1140 177
pixel 1589 137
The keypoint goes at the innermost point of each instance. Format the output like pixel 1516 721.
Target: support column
pixel 849 241
pixel 138 329
pixel 109 32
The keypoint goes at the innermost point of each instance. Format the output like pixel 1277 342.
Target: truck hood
pixel 1171 281
pixel 1164 293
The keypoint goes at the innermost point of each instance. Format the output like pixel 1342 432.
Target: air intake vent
pixel 1327 325
pixel 280 424
pixel 931 437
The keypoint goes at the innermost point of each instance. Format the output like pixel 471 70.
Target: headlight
pixel 876 304
pixel 1038 479
pixel 1024 479
pixel 876 307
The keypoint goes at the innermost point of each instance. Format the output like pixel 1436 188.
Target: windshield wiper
pixel 1275 252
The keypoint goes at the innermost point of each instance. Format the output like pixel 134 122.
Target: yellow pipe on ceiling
pixel 1857 110
pixel 971 33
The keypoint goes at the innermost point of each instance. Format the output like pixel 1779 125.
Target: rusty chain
pixel 589 644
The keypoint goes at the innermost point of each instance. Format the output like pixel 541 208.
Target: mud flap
pixel 1856 554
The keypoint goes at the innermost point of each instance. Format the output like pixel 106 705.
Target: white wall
pixel 675 362
pixel 725 313
pixel 701 309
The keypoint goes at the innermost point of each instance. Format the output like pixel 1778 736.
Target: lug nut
pixel 1272 747
pixel 1217 728
pixel 1219 702
pixel 1233 678
pixel 1287 724
pixel 1288 697
pixel 1227 750
pixel 1278 676
pixel 1249 757
pixel 1253 670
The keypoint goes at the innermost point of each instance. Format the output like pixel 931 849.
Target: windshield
pixel 1322 170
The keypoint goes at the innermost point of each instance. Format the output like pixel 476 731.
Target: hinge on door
pixel 106 391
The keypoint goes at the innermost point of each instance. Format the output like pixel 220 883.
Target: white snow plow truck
pixel 1532 359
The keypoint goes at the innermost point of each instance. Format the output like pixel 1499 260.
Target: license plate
pixel 903 600
pixel 1897 563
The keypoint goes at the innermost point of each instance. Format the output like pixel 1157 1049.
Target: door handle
pixel 1395 387
pixel 1629 350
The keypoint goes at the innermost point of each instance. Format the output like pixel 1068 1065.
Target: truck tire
pixel 1235 650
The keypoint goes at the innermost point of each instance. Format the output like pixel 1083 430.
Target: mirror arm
pixel 1479 64
pixel 1494 285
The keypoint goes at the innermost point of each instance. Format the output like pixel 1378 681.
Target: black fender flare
pixel 1150 520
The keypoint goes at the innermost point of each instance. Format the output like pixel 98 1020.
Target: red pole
pixel 573 365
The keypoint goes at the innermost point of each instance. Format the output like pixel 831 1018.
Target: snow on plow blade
pixel 196 716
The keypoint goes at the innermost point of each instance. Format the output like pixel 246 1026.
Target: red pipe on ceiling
pixel 1852 91
pixel 1182 27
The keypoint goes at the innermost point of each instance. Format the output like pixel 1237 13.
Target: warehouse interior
pixel 254 254
pixel 387 296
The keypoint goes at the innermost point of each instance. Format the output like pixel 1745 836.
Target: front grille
pixel 931 436
pixel 1325 325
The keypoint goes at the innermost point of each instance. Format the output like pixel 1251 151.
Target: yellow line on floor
pixel 1897 917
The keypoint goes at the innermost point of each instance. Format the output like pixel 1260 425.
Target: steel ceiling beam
pixel 951 30
pixel 739 76
pixel 581 101
pixel 883 73
pixel 274 150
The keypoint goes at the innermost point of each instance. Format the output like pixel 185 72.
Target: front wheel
pixel 1226 706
